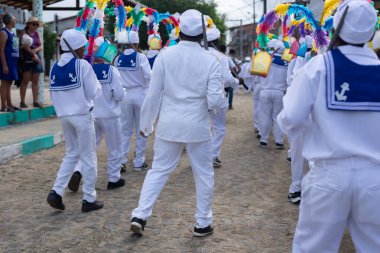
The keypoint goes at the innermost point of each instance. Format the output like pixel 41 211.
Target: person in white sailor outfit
pixel 340 92
pixel 73 87
pixel 155 45
pixel 246 75
pixel 272 89
pixel 107 121
pixel 298 162
pixel 183 120
pixel 135 71
pixel 218 118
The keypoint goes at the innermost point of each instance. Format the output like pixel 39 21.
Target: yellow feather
pixel 101 4
pixel 128 9
pixel 330 7
pixel 281 9
pixel 129 22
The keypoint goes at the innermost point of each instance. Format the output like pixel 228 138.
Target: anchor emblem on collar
pixel 133 64
pixel 53 80
pixel 73 78
pixel 340 95
pixel 105 75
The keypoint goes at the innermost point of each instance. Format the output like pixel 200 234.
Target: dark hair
pixel 232 51
pixel 341 42
pixel 197 38
pixel 7 18
pixel 223 48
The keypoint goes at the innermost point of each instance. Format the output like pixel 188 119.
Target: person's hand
pixel 5 70
pixel 34 50
pixel 36 59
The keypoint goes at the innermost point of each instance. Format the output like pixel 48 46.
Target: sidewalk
pixel 30 130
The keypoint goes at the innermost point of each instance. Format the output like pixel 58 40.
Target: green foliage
pixel 49 47
pixel 172 6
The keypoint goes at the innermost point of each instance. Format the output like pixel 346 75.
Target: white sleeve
pixel 215 97
pixel 227 77
pixel 117 88
pixel 300 98
pixel 151 105
pixel 91 85
pixel 145 66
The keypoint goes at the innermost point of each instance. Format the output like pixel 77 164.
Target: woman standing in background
pixel 9 54
pixel 31 64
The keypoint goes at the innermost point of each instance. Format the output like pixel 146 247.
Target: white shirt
pixel 107 105
pixel 189 79
pixel 333 134
pixel 77 101
pixel 152 53
pixel 135 79
pixel 246 74
pixel 228 79
pixel 276 79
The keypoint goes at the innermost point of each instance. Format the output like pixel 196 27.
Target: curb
pixel 30 146
pixel 24 116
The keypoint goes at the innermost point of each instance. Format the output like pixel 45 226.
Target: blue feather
pixel 328 23
pixel 121 17
pixel 95 28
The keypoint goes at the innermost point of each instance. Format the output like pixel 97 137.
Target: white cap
pixel 190 23
pixel 26 40
pixel 125 37
pixel 75 38
pixel 308 39
pixel 376 40
pixel 247 59
pixel 278 45
pixel 359 24
pixel 213 34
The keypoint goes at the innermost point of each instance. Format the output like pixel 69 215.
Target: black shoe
pixel 55 200
pixel 137 225
pixel 23 105
pixel 256 131
pixel 123 168
pixel 16 108
pixel 289 160
pixel 200 232
pixel 230 107
pixel 216 162
pixel 258 136
pixel 37 105
pixel 142 167
pixel 263 144
pixel 294 197
pixel 118 184
pixel 75 181
pixel 91 206
pixel 279 146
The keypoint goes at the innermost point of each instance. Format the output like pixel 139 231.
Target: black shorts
pixel 33 67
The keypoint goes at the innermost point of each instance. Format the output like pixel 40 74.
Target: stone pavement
pixel 251 212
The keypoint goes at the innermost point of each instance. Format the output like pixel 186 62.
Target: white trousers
pixel 219 130
pixel 80 147
pixel 130 119
pixel 256 100
pixel 111 128
pixel 166 157
pixel 270 106
pixel 339 194
pixel 298 162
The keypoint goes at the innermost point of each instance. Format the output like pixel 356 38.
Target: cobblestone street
pixel 251 211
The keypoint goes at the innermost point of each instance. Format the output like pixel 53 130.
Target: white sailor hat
pixel 191 23
pixel 359 23
pixel 75 38
pixel 212 34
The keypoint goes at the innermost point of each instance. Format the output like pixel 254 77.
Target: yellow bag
pixel 261 64
pixel 287 56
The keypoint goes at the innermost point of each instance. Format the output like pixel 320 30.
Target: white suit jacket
pixel 186 81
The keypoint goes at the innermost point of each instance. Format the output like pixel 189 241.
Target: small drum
pixel 107 51
pixel 261 64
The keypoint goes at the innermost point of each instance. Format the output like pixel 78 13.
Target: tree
pixel 49 48
pixel 172 6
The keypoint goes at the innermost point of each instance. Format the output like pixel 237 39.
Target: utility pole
pixel 265 6
pixel 254 25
